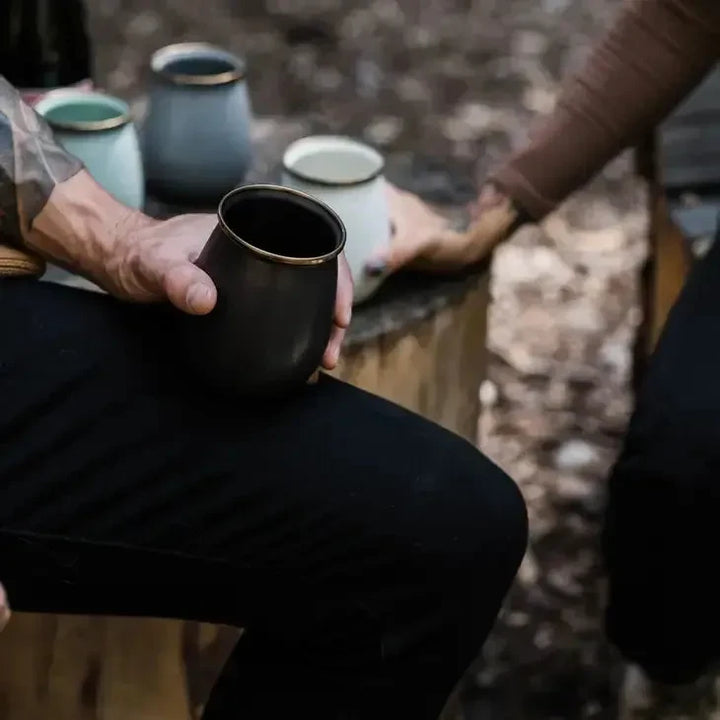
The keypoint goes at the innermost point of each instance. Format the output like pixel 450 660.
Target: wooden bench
pixel 82 668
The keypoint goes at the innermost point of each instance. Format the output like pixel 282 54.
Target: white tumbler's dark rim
pixel 305 200
pixel 349 142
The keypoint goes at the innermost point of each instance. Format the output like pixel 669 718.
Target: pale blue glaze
pixel 112 156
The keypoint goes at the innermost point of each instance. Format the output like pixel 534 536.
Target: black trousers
pixel 662 533
pixel 365 550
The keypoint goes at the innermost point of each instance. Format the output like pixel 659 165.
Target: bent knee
pixel 484 514
pixel 502 507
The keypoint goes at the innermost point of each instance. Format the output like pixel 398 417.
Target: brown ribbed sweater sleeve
pixel 655 53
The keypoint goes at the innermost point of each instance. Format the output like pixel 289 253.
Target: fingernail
pixel 4 612
pixel 346 318
pixel 198 297
pixel 375 267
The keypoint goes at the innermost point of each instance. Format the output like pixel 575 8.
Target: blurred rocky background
pixel 457 82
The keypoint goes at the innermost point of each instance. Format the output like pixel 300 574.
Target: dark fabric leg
pixel 365 550
pixel 660 538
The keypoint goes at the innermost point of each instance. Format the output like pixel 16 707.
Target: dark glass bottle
pixel 44 45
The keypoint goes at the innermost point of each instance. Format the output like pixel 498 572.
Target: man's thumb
pixel 190 289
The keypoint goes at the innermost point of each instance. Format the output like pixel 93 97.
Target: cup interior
pixel 83 111
pixel 282 223
pixel 330 160
pixel 197 63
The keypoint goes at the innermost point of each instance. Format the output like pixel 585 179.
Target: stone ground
pixel 459 81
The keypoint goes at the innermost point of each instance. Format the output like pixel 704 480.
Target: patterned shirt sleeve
pixel 31 164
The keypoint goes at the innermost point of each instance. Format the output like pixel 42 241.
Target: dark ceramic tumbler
pixel 274 259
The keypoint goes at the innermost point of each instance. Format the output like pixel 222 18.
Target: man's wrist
pixel 80 226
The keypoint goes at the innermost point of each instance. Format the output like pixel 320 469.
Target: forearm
pixel 80 225
pixel 653 56
pixel 48 202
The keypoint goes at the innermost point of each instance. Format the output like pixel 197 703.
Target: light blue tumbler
pixel 98 129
